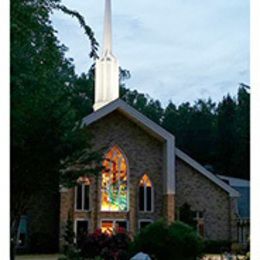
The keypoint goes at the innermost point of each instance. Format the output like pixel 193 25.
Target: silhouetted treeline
pixel 215 134
pixel 48 99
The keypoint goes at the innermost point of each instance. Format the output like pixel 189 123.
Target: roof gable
pixel 162 134
pixel 149 126
pixel 133 115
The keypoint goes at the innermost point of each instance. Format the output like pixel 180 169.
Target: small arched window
pixel 82 191
pixel 145 194
pixel 114 191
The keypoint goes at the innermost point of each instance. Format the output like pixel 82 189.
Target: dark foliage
pixel 175 242
pixel 44 89
pixel 70 249
pixel 216 135
pixel 48 101
pixel 108 247
pixel 217 246
pixel 186 215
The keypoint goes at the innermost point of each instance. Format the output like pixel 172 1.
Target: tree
pixel 226 135
pixel 193 127
pixel 143 103
pixel 83 95
pixel 43 115
pixel 170 118
pixel 71 251
pixel 202 131
pixel 242 165
pixel 187 215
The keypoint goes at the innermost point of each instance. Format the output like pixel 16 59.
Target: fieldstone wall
pixel 144 154
pixel 67 206
pixel 203 195
pixel 233 219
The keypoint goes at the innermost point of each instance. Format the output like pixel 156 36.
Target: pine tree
pixel 69 235
pixel 70 249
pixel 226 135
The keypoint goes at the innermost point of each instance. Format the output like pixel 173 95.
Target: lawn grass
pixel 37 257
pixel 56 257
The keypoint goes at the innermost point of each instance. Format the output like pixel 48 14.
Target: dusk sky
pixel 178 50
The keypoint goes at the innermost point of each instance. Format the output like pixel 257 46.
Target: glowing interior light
pixel 107 227
pixel 114 182
pixel 145 181
pixel 84 180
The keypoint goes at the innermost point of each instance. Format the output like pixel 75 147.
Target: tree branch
pixel 88 31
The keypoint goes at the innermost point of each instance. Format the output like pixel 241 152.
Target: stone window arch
pixel 145 194
pixel 114 185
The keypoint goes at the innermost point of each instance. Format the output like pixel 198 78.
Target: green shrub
pixel 175 242
pixel 187 243
pixel 152 240
pixel 70 250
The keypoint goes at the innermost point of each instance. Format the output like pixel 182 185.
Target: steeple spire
pixel 107 68
pixel 107 48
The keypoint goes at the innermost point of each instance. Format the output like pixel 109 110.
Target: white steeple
pixel 107 29
pixel 107 68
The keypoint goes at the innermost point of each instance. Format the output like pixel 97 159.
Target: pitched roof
pixel 243 187
pixel 194 164
pixel 160 133
pixel 235 182
pixel 244 202
pixel 150 127
pixel 131 113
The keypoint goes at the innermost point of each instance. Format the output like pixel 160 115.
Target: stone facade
pixel 169 207
pixel 145 155
pixel 219 210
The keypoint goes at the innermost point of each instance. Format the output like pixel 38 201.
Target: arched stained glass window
pixel 145 194
pixel 114 192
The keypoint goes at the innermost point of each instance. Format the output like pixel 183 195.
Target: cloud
pixel 180 50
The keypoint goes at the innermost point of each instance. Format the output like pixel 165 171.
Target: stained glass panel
pixel 107 227
pixel 111 226
pixel 114 182
pixel 145 181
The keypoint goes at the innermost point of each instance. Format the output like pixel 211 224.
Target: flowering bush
pixel 108 247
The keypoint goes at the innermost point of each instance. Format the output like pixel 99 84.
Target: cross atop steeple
pixel 107 68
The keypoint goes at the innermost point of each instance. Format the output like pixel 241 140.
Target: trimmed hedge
pixel 175 242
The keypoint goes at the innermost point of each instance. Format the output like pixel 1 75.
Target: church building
pixel 146 177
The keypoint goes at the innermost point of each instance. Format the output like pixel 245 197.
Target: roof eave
pixel 232 192
pixel 133 114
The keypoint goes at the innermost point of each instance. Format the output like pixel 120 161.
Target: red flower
pixel 120 230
